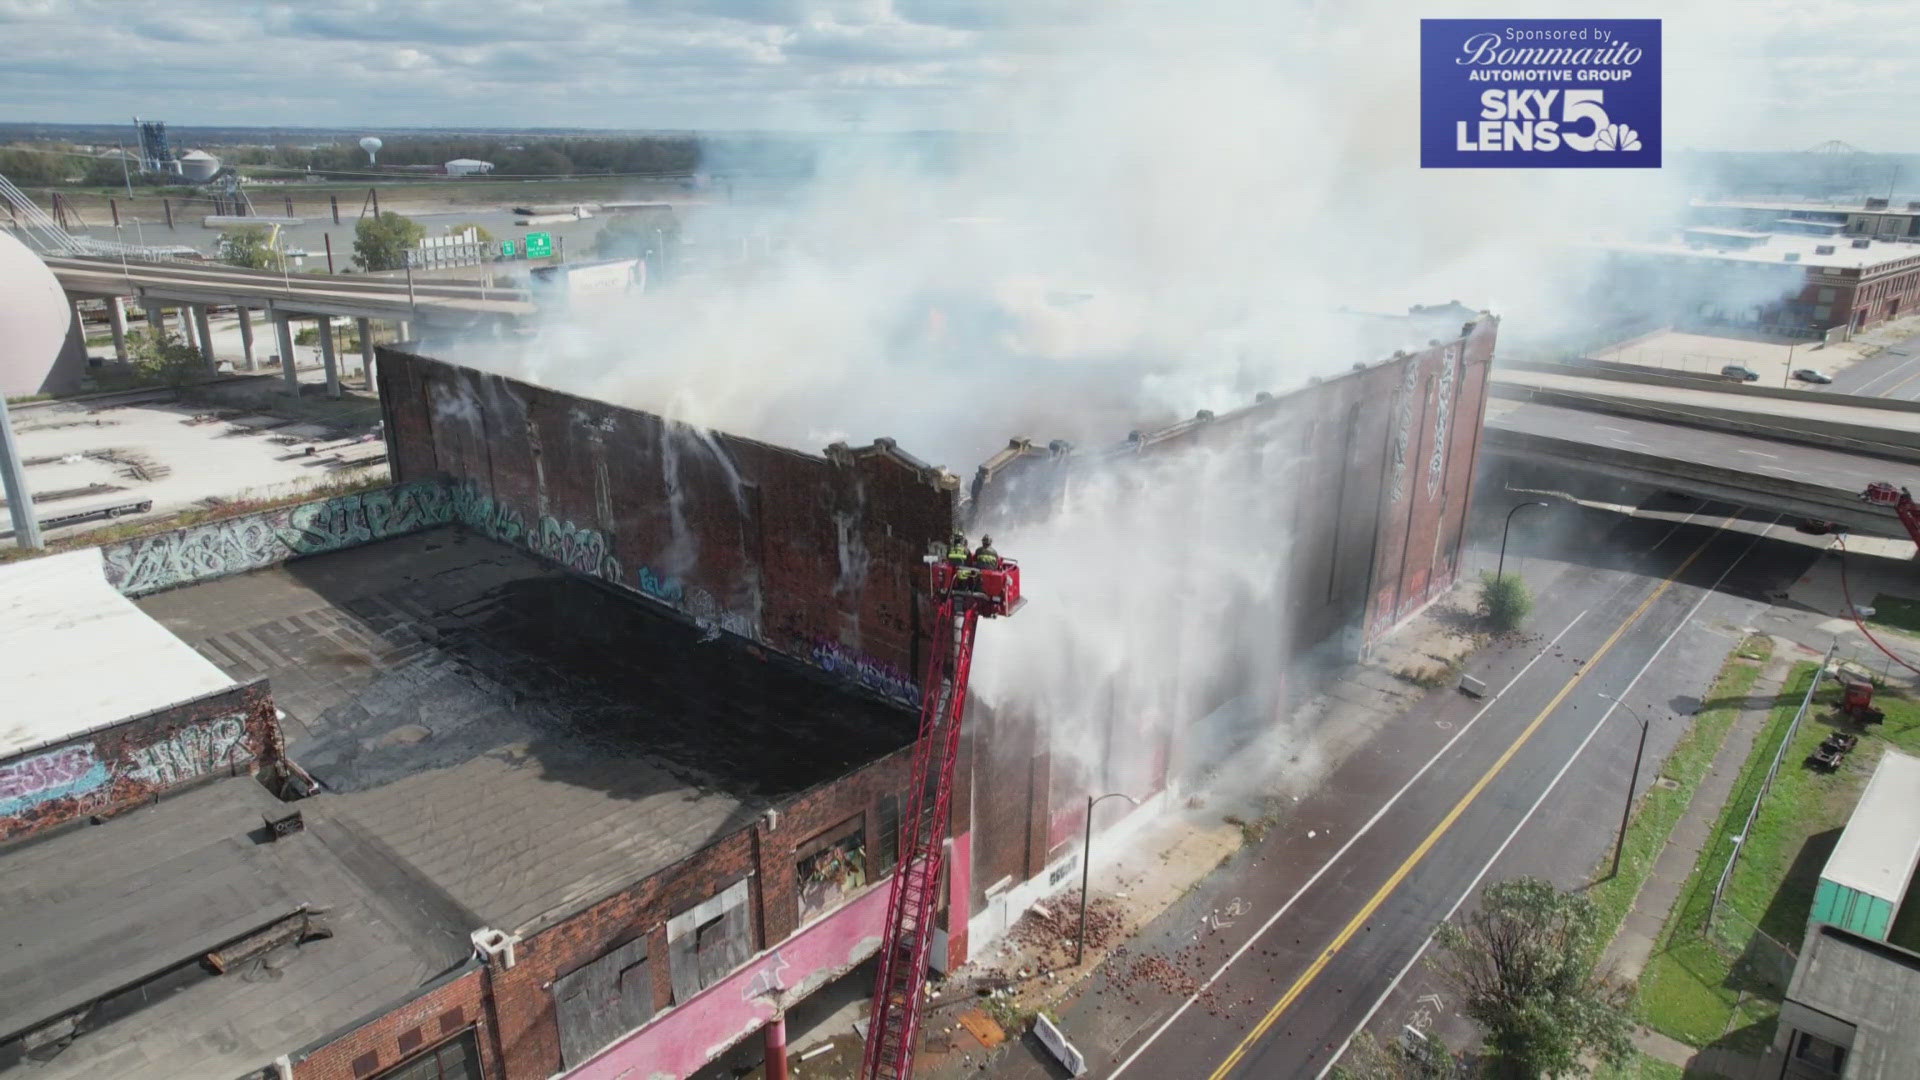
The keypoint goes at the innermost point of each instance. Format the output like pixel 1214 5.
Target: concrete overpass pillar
pixel 156 319
pixel 406 330
pixel 246 337
pixel 117 316
pixel 283 329
pixel 205 333
pixel 365 327
pixel 328 358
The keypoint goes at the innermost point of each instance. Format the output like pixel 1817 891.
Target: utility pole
pixel 1627 813
pixel 13 477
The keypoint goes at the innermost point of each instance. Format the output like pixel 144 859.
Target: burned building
pixel 595 724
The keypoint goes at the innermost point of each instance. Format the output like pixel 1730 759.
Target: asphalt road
pixel 1892 373
pixel 1316 930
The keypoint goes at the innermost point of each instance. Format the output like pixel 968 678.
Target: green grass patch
pixel 1897 612
pixel 1641 1067
pixel 1756 647
pixel 1725 988
pixel 1661 807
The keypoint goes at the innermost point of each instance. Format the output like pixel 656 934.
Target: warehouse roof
pixel 61 626
pixel 522 739
pixel 1869 985
pixel 119 916
pixel 1880 846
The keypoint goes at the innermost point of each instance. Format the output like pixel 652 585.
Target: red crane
pixel 1885 494
pixel 962 594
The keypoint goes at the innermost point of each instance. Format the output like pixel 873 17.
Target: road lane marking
pixel 1355 838
pixel 1898 385
pixel 1887 374
pixel 1758 453
pixel 1446 823
pixel 1502 849
pixel 1673 529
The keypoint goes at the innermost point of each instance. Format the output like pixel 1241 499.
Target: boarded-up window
pixel 831 867
pixel 886 847
pixel 708 941
pixel 456 1059
pixel 602 1001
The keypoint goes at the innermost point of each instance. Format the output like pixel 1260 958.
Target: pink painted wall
pixel 690 1035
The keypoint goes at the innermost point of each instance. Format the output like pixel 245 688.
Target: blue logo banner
pixel 1540 93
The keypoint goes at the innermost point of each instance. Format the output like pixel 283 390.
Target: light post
pixel 1500 570
pixel 1086 868
pixel 1631 783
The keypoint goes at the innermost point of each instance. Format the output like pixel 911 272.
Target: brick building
pixel 600 722
pixel 1768 280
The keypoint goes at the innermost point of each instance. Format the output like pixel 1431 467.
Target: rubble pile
pixel 1049 933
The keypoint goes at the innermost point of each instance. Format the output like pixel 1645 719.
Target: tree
pixel 1523 965
pixel 382 243
pixel 250 246
pixel 164 358
pixel 480 232
pixel 1369 1059
pixel 1506 601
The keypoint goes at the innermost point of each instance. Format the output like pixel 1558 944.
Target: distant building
pixel 1717 275
pixel 467 167
pixel 1873 217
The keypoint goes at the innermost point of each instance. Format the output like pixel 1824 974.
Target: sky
pixel 1812 70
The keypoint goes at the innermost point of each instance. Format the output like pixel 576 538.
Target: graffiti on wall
pixel 885 679
pixel 333 524
pixel 203 552
pixel 193 751
pixel 1403 428
pixel 577 547
pixel 697 604
pixel 69 770
pixel 1442 412
pixel 486 515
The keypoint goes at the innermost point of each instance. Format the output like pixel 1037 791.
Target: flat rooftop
pixel 521 741
pixel 1877 254
pixel 61 626
pixel 125 911
pixel 1869 984
pixel 1831 208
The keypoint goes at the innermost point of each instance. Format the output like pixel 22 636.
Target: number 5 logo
pixel 1578 105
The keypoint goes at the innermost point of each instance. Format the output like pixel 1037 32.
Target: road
pixel 1893 373
pixel 1823 407
pixel 1337 903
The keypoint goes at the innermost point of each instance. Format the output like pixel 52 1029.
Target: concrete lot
pixel 102 451
pixel 1771 360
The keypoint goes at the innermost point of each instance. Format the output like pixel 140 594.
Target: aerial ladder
pixel 1885 494
pixel 962 594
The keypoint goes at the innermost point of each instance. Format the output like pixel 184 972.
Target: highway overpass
pixel 285 299
pixel 1797 453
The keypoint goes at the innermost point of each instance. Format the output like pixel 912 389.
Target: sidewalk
pixel 1639 932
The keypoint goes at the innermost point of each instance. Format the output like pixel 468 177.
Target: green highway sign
pixel 506 249
pixel 539 245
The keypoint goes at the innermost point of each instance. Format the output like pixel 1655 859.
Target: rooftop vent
pixel 1876 204
pixel 1792 256
pixel 1823 249
pixel 1203 415
pixel 1262 398
pixel 1862 242
pixel 1911 205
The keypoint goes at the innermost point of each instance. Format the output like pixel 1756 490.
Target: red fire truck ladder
pixel 1884 494
pixel 905 950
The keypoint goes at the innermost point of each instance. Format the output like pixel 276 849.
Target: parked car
pixel 1737 371
pixel 1809 375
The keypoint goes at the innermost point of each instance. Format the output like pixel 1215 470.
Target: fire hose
pixel 1854 612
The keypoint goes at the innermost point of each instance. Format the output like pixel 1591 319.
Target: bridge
pixel 285 298
pixel 1799 454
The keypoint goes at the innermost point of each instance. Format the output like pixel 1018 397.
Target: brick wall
pixel 112 768
pixel 815 556
pixel 522 1001
pixel 440 1013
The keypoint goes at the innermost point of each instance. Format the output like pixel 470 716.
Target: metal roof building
pixel 1870 869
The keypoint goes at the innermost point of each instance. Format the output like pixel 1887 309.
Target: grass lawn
pixel 1897 612
pixel 1702 990
pixel 1661 807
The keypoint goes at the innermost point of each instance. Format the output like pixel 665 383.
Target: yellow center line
pixel 1366 912
pixel 1898 385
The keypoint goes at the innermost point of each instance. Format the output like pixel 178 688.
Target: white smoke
pixel 1184 194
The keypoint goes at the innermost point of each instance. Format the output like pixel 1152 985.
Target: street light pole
pixel 1632 783
pixel 1500 570
pixel 1086 868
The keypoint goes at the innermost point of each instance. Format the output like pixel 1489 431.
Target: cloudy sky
pixel 1816 69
